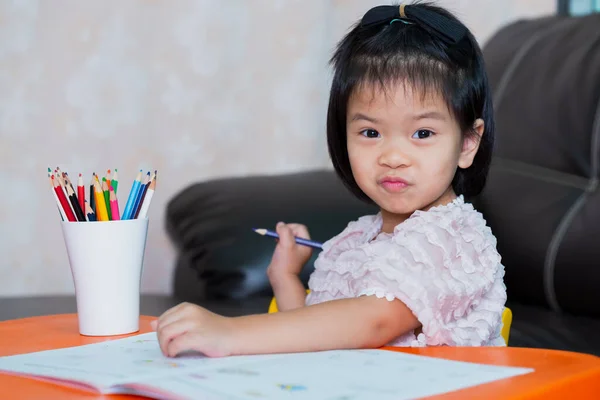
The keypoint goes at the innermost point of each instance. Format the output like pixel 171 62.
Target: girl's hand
pixel 289 257
pixel 188 327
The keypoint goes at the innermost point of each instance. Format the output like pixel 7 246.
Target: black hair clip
pixel 448 31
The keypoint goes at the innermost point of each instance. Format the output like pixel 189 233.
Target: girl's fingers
pixel 184 342
pixel 168 320
pixel 171 315
pixel 286 238
pixel 167 333
pixel 170 311
pixel 299 230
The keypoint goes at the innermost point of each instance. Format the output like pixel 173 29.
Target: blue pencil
pixel 305 242
pixel 132 196
pixel 140 194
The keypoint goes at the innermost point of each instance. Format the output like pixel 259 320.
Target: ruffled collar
pixel 373 232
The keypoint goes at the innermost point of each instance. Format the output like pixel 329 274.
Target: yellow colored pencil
pixel 101 211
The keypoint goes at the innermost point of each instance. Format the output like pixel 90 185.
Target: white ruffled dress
pixel 441 263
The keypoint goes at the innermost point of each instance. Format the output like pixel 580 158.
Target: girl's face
pixel 404 149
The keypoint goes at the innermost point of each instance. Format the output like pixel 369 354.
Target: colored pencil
pixel 92 195
pixel 58 178
pixel 108 181
pixel 137 213
pixel 81 192
pixel 114 205
pixel 75 204
pixel 63 200
pixel 70 191
pixel 135 210
pixel 63 185
pixel 132 196
pixel 63 216
pixel 114 182
pixel 147 199
pixel 68 181
pixel 59 175
pixel 106 196
pixel 305 242
pixel 91 216
pixel 101 211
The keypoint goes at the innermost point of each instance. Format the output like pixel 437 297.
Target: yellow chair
pixel 506 321
pixel 506 318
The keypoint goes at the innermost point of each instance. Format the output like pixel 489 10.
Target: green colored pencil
pixel 114 182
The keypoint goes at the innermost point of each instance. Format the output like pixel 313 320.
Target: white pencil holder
pixel 106 260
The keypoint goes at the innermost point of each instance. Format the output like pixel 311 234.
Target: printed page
pixel 137 363
pixel 348 375
pixel 109 363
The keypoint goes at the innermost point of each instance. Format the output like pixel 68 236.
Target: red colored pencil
pixel 63 216
pixel 63 200
pixel 81 192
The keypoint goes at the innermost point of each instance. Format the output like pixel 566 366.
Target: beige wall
pixel 195 89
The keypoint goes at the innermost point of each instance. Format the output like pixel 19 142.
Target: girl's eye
pixel 370 133
pixel 422 134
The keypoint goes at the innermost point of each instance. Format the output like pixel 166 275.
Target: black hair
pixel 399 52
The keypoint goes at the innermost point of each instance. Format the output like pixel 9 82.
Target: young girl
pixel 410 128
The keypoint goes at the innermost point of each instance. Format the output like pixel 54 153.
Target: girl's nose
pixel 393 157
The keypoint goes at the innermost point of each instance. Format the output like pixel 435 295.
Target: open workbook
pixel 135 365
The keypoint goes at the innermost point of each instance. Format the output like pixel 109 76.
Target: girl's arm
pixel 289 291
pixel 363 322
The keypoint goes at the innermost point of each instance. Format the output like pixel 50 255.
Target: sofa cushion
pixel 211 223
pixel 542 328
pixel 541 199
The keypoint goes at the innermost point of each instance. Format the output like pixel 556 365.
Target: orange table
pixel 558 375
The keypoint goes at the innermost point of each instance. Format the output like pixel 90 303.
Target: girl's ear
pixel 470 144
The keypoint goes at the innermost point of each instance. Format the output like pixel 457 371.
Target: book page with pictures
pixel 337 374
pixel 105 366
pixel 135 365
